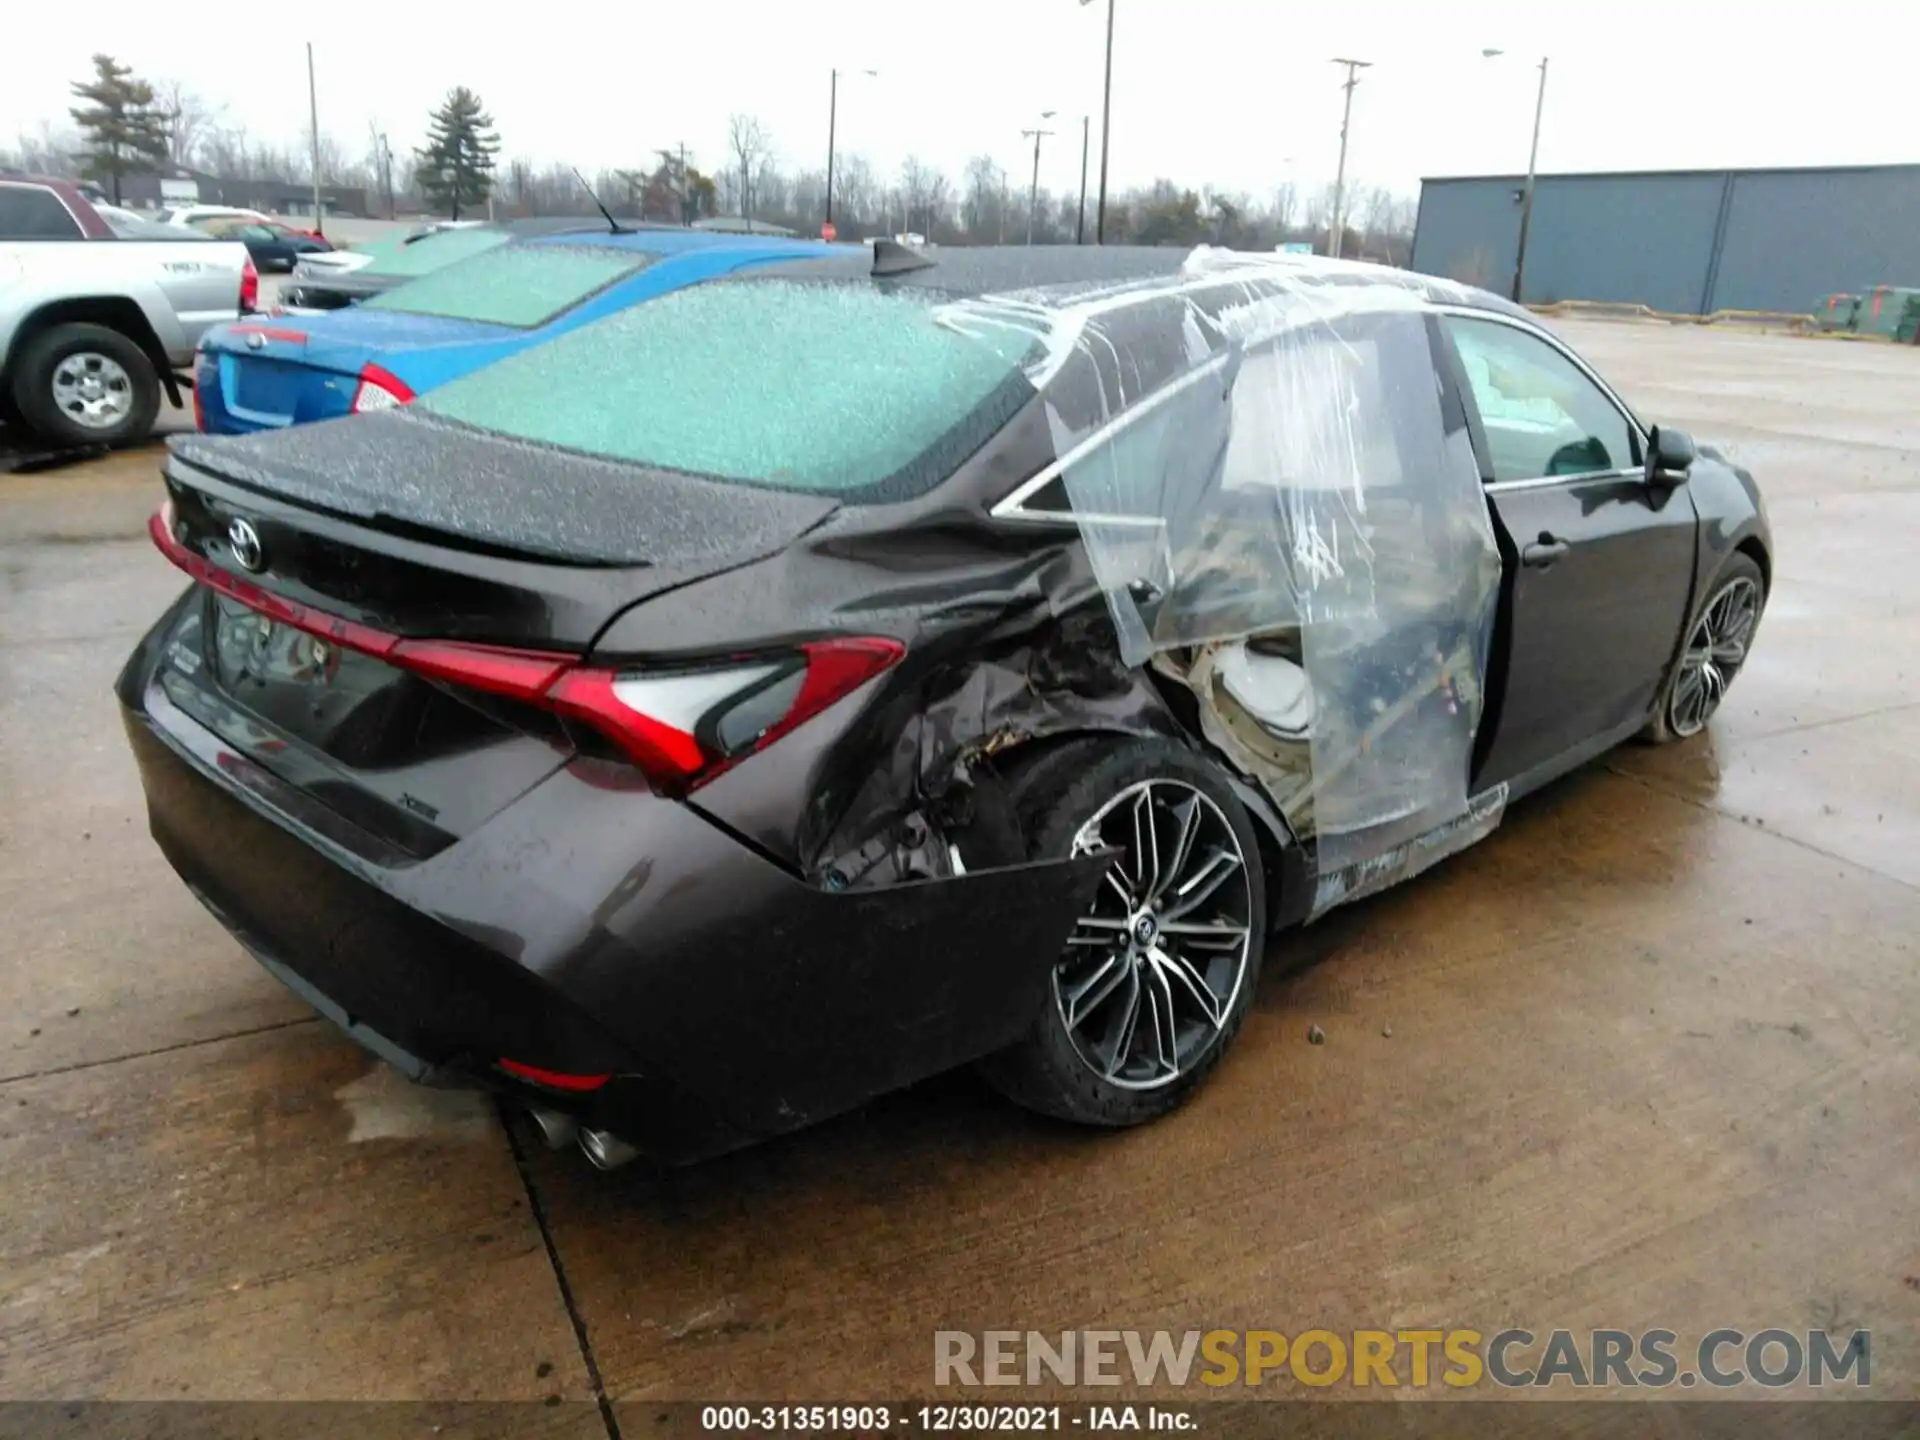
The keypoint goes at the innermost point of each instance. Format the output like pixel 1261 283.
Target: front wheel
pixel 86 385
pixel 1717 645
pixel 1159 973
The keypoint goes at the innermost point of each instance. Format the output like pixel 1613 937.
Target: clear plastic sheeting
pixel 1257 457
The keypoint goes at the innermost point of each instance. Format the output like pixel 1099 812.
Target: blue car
pixel 267 374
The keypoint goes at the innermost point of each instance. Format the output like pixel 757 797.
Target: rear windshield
pixel 430 252
pixel 838 389
pixel 520 285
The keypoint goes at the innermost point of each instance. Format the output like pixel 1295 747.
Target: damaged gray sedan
pixel 810 681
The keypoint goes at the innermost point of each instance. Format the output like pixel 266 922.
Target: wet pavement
pixel 1645 1058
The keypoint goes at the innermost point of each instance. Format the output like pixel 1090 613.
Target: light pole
pixel 1526 195
pixel 313 122
pixel 1080 229
pixel 833 115
pixel 1106 128
pixel 1354 67
pixel 1033 190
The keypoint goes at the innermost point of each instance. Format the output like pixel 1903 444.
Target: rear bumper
pixel 589 930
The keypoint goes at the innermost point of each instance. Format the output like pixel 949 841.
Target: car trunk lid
pixel 383 610
pixel 295 369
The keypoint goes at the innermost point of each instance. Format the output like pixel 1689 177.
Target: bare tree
pixel 856 194
pixel 1285 206
pixel 747 139
pixel 1373 210
pixel 925 196
pixel 190 118
pixel 47 151
pixel 980 208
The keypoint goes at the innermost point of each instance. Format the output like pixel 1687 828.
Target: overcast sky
pixel 1238 93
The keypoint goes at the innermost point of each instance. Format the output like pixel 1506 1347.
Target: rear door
pixel 1598 565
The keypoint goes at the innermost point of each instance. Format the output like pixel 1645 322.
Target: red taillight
pixel 553 1079
pixel 681 727
pixel 379 390
pixel 685 728
pixel 249 287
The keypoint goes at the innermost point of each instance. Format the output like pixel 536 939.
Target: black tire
pixel 40 410
pixel 1668 726
pixel 1056 796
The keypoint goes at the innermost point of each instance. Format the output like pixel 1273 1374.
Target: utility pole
pixel 1526 199
pixel 313 122
pixel 1080 229
pixel 1033 191
pixel 1354 67
pixel 833 114
pixel 1106 129
pixel 383 162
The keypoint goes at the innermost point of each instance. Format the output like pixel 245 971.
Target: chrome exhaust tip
pixel 558 1130
pixel 607 1152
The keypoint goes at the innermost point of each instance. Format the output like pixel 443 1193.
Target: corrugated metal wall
pixel 1690 242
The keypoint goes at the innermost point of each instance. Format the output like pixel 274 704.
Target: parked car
pixel 826 675
pixel 342 278
pixel 94 320
pixel 288 369
pixel 273 246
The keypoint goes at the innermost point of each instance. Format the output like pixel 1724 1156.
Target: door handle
pixel 1543 552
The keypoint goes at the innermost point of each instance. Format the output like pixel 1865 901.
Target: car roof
pixel 1056 273
pixel 674 239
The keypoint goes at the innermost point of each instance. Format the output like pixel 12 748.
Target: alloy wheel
pixel 1716 650
pixel 92 390
pixel 1154 967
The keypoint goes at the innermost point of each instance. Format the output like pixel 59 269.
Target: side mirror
pixel 1670 455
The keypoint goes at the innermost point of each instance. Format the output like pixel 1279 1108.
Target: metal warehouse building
pixel 1685 241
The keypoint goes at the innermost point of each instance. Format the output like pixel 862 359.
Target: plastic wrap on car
pixel 1256 454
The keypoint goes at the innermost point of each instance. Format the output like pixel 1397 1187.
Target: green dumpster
pixel 1881 309
pixel 1908 332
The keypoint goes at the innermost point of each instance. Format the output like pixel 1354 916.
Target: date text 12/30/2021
pixel 945 1419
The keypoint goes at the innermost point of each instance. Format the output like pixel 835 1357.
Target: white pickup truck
pixel 95 322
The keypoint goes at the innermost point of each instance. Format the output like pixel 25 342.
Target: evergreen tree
pixel 125 130
pixel 456 164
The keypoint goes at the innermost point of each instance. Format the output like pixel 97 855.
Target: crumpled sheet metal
pixel 1257 451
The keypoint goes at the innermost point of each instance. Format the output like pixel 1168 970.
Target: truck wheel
pixel 86 385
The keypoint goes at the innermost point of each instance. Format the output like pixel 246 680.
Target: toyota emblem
pixel 245 542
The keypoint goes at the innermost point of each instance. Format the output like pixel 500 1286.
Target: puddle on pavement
pixel 385 1105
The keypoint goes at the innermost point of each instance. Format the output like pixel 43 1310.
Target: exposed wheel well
pixel 115 312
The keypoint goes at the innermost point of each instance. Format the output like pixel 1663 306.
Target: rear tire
pixel 86 385
pixel 1137 1016
pixel 1719 637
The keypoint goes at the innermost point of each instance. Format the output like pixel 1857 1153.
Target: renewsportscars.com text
pixel 1510 1358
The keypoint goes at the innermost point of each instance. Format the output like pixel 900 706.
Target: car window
pixel 432 252
pixel 258 232
pixel 522 286
pixel 1542 415
pixel 30 212
pixel 835 389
